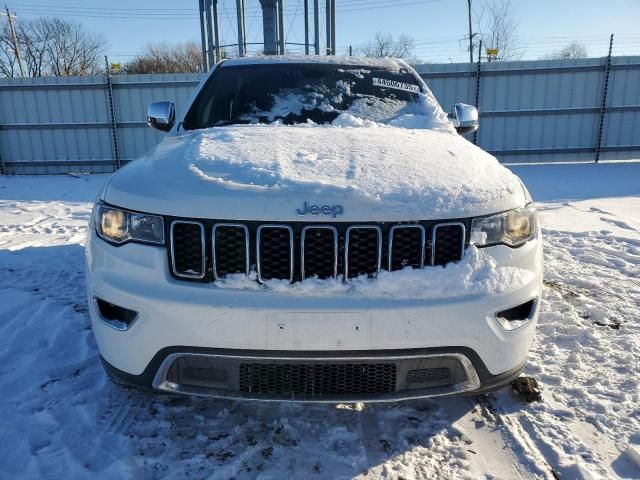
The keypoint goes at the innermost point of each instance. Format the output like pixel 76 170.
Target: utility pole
pixel 470 34
pixel 203 36
pixel 316 27
pixel 16 48
pixel 216 36
pixel 327 14
pixel 333 27
pixel 281 33
pixel 242 47
pixel 306 27
pixel 211 56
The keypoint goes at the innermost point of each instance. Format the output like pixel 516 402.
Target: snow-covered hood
pixel 269 172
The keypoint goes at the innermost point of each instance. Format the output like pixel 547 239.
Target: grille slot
pixel 363 251
pixel 317 379
pixel 427 375
pixel 230 249
pixel 188 249
pixel 447 243
pixel 406 246
pixel 319 251
pixel 196 371
pixel 204 374
pixel 275 252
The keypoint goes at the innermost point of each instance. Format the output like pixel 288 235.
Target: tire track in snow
pixel 25 224
pixel 517 438
pixel 124 410
pixel 370 438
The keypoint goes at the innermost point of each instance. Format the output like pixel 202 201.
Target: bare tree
pixel 499 29
pixel 53 46
pixel 574 50
pixel 34 38
pixel 164 58
pixel 8 60
pixel 384 45
pixel 71 50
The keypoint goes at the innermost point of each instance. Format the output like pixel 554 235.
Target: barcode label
pixel 407 87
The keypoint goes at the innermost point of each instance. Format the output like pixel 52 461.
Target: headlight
pixel 119 226
pixel 512 228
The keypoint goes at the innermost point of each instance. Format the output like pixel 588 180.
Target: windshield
pixel 303 93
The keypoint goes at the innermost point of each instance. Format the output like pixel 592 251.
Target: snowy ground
pixel 62 418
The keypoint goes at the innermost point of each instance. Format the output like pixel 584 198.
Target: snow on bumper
pixel 174 313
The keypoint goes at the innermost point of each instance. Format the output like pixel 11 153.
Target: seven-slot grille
pixel 206 251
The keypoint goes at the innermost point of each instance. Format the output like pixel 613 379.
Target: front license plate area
pixel 318 331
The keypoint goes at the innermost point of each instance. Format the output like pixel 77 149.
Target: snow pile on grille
pixel 476 274
pixel 422 173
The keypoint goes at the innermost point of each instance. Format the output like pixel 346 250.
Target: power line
pixel 150 14
pixel 434 46
pixel 195 10
pixel 289 29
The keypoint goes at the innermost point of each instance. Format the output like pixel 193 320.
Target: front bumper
pixel 178 319
pixel 476 378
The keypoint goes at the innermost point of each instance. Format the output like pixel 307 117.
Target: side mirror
pixel 464 118
pixel 161 115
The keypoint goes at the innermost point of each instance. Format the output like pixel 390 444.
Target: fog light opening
pixel 517 316
pixel 115 316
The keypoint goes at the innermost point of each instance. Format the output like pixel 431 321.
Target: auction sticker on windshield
pixel 407 87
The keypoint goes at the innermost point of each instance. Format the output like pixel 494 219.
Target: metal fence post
pixel 112 114
pixel 3 168
pixel 603 105
pixel 475 134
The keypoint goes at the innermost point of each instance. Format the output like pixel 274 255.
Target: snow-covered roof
pixel 387 63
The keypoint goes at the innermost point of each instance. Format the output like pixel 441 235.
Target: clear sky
pixel 436 25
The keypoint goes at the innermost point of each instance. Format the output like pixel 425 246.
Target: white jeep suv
pixel 314 229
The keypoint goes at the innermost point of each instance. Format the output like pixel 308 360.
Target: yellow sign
pixel 492 51
pixel 115 67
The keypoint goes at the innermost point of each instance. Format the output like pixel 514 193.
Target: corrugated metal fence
pixel 82 124
pixel 548 110
pixel 537 111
